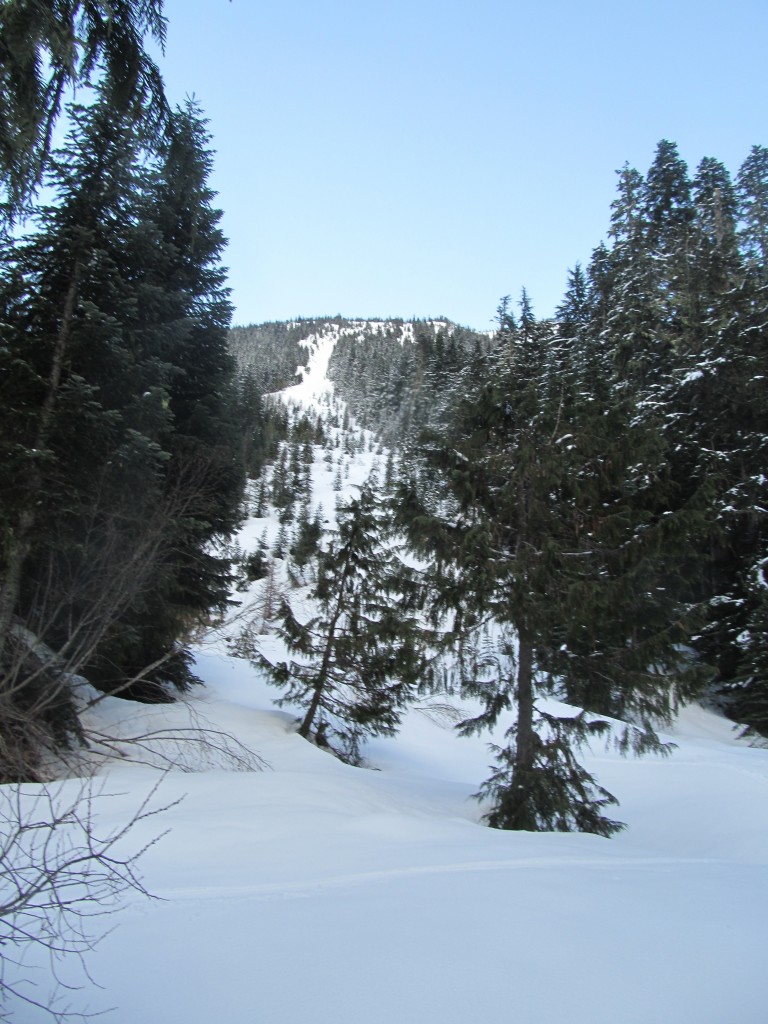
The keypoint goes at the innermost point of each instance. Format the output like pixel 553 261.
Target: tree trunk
pixel 22 536
pixel 322 675
pixel 525 736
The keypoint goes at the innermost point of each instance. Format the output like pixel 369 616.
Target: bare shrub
pixel 61 879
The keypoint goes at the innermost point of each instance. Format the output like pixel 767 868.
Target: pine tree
pixel 667 208
pixel 640 340
pixel 715 267
pixel 61 337
pixel 726 397
pixel 716 424
pixel 121 466
pixel 309 531
pixel 81 453
pixel 184 314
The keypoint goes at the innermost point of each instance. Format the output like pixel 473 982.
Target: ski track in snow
pixel 306 888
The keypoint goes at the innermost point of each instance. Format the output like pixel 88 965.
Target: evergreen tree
pixel 573 313
pixel 716 425
pixel 715 267
pixel 308 535
pixel 640 341
pixel 561 533
pixel 184 314
pixel 50 46
pixel 81 462
pixel 725 397
pixel 73 301
pixel 599 289
pixel 667 208
pixel 752 193
pixel 252 423
pixel 355 660
pixel 119 465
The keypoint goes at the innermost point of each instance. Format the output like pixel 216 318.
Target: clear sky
pixel 424 158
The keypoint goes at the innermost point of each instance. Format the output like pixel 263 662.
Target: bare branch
pixel 59 875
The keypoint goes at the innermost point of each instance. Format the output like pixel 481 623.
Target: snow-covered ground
pixel 312 890
pixel 306 890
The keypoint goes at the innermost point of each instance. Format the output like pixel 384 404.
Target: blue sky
pixel 424 158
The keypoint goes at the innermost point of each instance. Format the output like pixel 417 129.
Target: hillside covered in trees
pixel 640 411
pixel 588 488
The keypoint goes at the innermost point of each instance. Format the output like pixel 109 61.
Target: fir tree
pixel 559 531
pixel 121 467
pixel 80 431
pixel 752 194
pixel 309 531
pixel 641 343
pixel 715 266
pixel 185 316
pixel 354 660
pixel 49 47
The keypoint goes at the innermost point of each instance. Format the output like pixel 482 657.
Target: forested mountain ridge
pixel 396 379
pixel 570 487
pixel 389 372
pixel 272 352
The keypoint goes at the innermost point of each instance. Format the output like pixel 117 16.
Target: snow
pixel 314 890
pixel 314 381
pixel 291 887
pixel 692 376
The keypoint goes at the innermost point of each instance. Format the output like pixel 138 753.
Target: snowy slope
pixel 310 890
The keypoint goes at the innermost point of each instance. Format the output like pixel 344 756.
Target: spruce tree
pixel 752 194
pixel 716 424
pixel 80 469
pixel 726 397
pixel 641 341
pixel 65 331
pixel 119 467
pixel 714 264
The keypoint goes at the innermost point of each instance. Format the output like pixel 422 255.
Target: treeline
pixel 121 463
pixel 266 358
pixel 270 354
